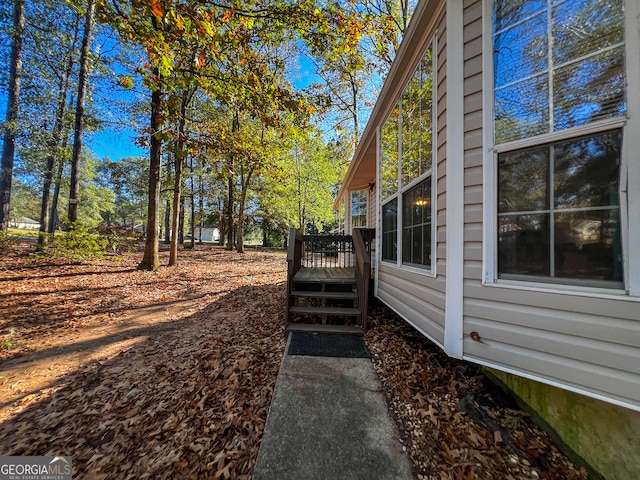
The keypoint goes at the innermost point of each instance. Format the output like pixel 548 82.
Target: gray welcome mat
pixel 328 345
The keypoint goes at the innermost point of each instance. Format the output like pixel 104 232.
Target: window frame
pixel 398 195
pixel 628 124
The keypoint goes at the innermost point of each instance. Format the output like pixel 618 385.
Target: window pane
pixel 581 51
pixel 426 244
pixel 359 208
pixel 416 224
pixel 389 230
pixel 389 164
pixel 417 103
pixel 522 109
pixel 587 171
pixel 523 180
pixel 587 245
pixel 589 90
pixel 509 12
pixel 521 51
pixel 581 27
pixel 523 244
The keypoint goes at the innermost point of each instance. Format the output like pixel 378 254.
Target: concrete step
pixel 341 312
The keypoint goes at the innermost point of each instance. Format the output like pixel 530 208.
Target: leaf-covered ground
pixel 170 374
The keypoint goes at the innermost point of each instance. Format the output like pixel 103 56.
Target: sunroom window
pixel 406 171
pixel 559 66
pixel 559 211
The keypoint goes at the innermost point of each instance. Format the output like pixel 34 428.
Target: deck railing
pixel 362 240
pixel 317 251
pixel 327 251
pixel 294 262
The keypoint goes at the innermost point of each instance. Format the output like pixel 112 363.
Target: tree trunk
pixel 223 223
pixel 151 259
pixel 74 187
pixel 9 141
pixel 177 203
pixel 178 207
pixel 235 127
pixel 201 207
pixel 230 202
pixel 167 222
pixel 54 143
pixel 181 220
pixel 245 181
pixel 193 209
pixel 53 213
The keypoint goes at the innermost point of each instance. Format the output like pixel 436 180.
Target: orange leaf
pixel 155 8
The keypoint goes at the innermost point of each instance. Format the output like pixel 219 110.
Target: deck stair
pixel 322 286
pixel 326 292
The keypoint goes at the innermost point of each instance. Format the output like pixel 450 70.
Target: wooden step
pixel 325 275
pixel 316 328
pixel 329 295
pixel 341 312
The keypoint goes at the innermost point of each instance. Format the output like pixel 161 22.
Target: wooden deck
pixel 326 275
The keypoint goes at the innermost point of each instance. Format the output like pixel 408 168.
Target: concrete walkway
pixel 329 421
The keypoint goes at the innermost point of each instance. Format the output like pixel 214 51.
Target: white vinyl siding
pixel 417 297
pixel 582 339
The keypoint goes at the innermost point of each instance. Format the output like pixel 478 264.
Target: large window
pixel 406 171
pixel 559 66
pixel 559 210
pixel 359 208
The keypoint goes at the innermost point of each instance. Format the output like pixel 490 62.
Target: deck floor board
pixel 326 275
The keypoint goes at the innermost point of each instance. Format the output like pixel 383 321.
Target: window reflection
pixel 523 245
pixel 359 208
pixel 417 120
pixel 588 246
pixel 522 109
pixel 524 180
pixel 390 230
pixel 416 225
pixel 586 172
pixel 389 161
pixel 579 56
pixel 570 231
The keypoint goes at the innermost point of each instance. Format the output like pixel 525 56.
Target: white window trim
pixel 430 271
pixel 454 281
pixel 630 169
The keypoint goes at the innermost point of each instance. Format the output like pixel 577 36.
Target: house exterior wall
pixel 571 352
pixel 419 297
pixel 588 343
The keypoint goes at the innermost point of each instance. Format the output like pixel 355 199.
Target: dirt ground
pixel 170 374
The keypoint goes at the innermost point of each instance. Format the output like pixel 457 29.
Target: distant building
pixel 25 223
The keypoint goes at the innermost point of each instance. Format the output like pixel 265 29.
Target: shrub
pixel 6 242
pixel 119 239
pixel 76 243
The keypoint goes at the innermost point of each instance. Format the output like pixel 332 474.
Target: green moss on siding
pixel 605 436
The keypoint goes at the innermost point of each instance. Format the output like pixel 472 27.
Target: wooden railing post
pixel 294 261
pixel 362 272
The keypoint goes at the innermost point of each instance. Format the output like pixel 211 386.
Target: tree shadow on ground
pixel 182 399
